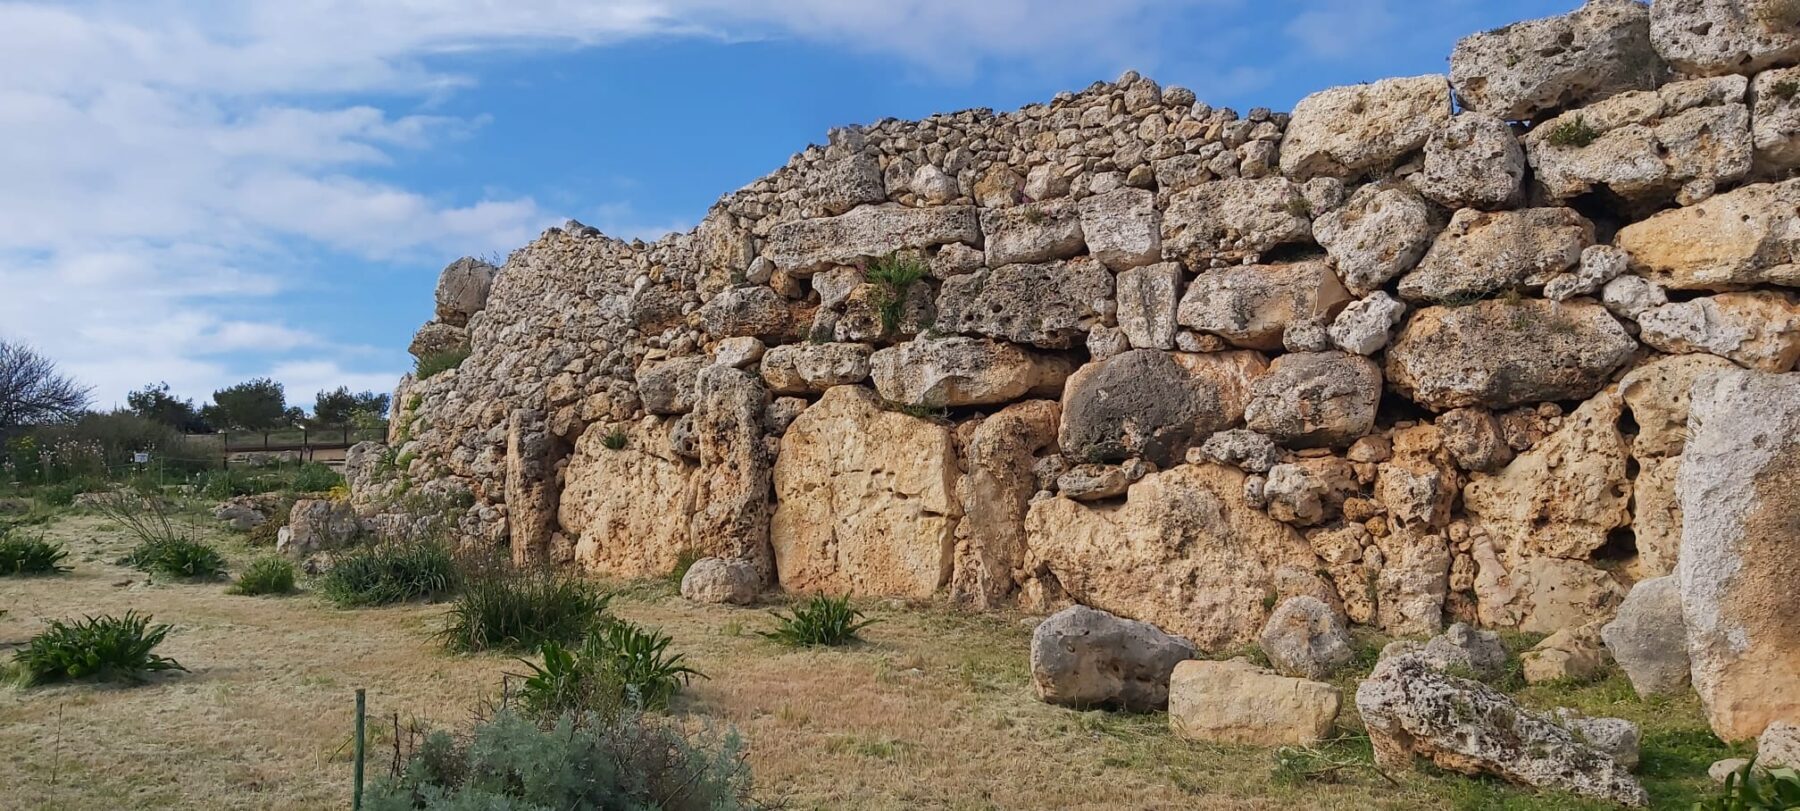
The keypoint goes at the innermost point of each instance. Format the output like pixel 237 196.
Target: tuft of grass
pixel 821 620
pixel 1573 133
pixel 21 555
pixel 896 274
pixel 1786 89
pixel 521 610
pixel 178 557
pixel 104 648
pixel 313 477
pixel 266 576
pixel 614 440
pixel 391 573
pixel 436 362
pixel 618 666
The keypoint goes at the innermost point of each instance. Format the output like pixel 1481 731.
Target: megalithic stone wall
pixel 1421 348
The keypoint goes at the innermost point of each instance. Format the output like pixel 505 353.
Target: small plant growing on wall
pixel 1573 133
pixel 894 275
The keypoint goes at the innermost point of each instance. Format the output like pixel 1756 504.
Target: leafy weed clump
pixel 619 666
pixel 180 558
pixel 820 621
pixel 436 362
pixel 391 573
pixel 266 576
pixel 521 610
pixel 22 555
pixel 1573 133
pixel 1754 789
pixel 103 648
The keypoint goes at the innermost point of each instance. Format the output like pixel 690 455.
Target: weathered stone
pixel 240 513
pixel 1413 710
pixel 1656 515
pixel 1758 330
pixel 1153 404
pixel 1540 594
pixel 1779 746
pixel 1564 497
pixel 1237 702
pixel 1656 391
pixel 1472 437
pixel 318 525
pixel 1730 242
pixel 954 372
pixel 604 492
pixel 1615 738
pixel 533 487
pixel 1104 343
pixel 716 580
pixel 1474 161
pixel 1483 253
pixel 1034 232
pixel 809 367
pixel 1085 658
pixel 1461 650
pixel 438 338
pixel 756 311
pixel 731 490
pixel 1253 306
pixel 1381 233
pixel 1363 325
pixel 1092 482
pixel 932 185
pixel 739 353
pixel 1048 305
pixel 1231 220
pixel 1570 654
pixel 1304 638
pixel 1632 296
pixel 1123 228
pixel 865 500
pixel 1412 583
pixel 845 182
pixel 1349 132
pixel 1001 460
pixel 1711 37
pixel 1648 638
pixel 1146 310
pixel 1738 480
pixel 1242 449
pixel 1315 399
pixel 1682 141
pixel 462 290
pixel 668 387
pixel 868 232
pixel 1599 264
pixel 1501 353
pixel 1183 551
pixel 1775 121
pixel 1524 70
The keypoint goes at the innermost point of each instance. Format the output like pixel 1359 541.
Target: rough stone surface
pixel 1500 354
pixel 1243 449
pixel 1483 253
pixel 1710 37
pixel 1046 305
pixel 462 290
pixel 1254 306
pixel 1648 638
pixel 1524 70
pixel 437 338
pixel 716 580
pixel 1683 141
pixel 1616 738
pixel 804 368
pixel 1233 220
pixel 667 387
pixel 1348 132
pixel 1412 710
pixel 1153 404
pixel 954 372
pixel 1034 232
pixel 1737 490
pixel 1147 300
pixel 1123 228
pixel 1304 638
pixel 868 232
pixel 318 525
pixel 1758 329
pixel 1239 703
pixel 1730 242
pixel 1779 746
pixel 1564 497
pixel 1315 399
pixel 1571 654
pixel 1363 326
pixel 1473 161
pixel 1092 482
pixel 1084 658
pixel 1775 121
pixel 1473 439
pixel 1382 232
pixel 604 490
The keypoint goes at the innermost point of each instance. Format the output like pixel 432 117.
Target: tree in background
pixel 341 408
pixel 32 392
pixel 254 405
pixel 156 404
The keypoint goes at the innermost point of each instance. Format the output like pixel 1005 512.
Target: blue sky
pixel 202 192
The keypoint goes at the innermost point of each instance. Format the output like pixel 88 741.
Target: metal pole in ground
pixel 356 791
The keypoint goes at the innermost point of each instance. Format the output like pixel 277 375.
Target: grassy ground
pixel 934 710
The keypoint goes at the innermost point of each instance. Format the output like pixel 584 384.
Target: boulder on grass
pixel 1238 702
pixel 1084 658
pixel 1305 638
pixel 717 580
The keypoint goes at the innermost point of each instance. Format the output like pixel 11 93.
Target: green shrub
pixel 642 664
pixel 1574 133
pixel 614 440
pixel 820 621
pixel 313 477
pixel 176 557
pixel 391 573
pixel 1786 89
pixel 521 610
pixel 627 762
pixel 436 362
pixel 106 648
pixel 21 555
pixel 265 576
pixel 620 665
pixel 895 274
pixel 224 484
pixel 1753 789
pixel 63 494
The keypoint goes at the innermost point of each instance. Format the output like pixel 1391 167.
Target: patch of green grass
pixel 821 620
pixel 437 362
pixel 30 555
pixel 1786 89
pixel 1575 133
pixel 614 440
pixel 508 609
pixel 177 557
pixel 266 576
pixel 391 573
pixel 1752 788
pixel 103 648
pixel 896 274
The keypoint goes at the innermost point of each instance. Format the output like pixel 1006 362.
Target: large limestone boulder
pixel 1540 595
pixel 667 387
pixel 1364 325
pixel 865 500
pixel 720 581
pixel 954 372
pixel 1153 404
pixel 1733 241
pixel 810 367
pixel 462 290
pixel 1712 37
pixel 802 247
pixel 1648 638
pixel 1048 305
pixel 845 180
pixel 438 338
pixel 1146 309
pixel 1382 232
pixel 732 487
pixel 1570 654
pixel 1683 141
pixel 318 525
pixel 1086 659
pixel 1739 475
pixel 1473 161
pixel 1758 329
pixel 1350 132
pixel 1565 496
pixel 1239 703
pixel 1253 306
pixel 1775 121
pixel 1123 227
pixel 1501 353
pixel 1482 253
pixel 1413 710
pixel 604 492
pixel 1315 399
pixel 1305 638
pixel 755 311
pixel 1227 221
pixel 1524 70
pixel 995 490
pixel 1656 516
pixel 1461 649
pixel 1034 232
pixel 1656 391
pixel 1183 551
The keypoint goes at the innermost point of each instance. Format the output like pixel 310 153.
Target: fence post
pixel 356 791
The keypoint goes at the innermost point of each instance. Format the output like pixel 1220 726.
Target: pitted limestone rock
pixel 1473 161
pixel 1315 399
pixel 810 368
pixel 1153 404
pixel 1483 253
pixel 1232 220
pixel 1683 141
pixel 1123 227
pixel 1757 330
pixel 1253 306
pixel 462 290
pixel 1524 70
pixel 1730 242
pixel 1382 232
pixel 802 247
pixel 1034 232
pixel 1354 131
pixel 955 372
pixel 1084 658
pixel 1046 305
pixel 1712 37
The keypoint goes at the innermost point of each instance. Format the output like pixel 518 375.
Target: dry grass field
pixel 934 710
